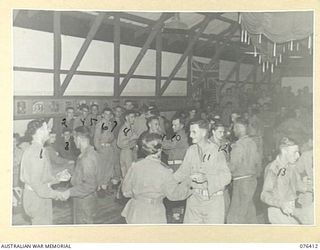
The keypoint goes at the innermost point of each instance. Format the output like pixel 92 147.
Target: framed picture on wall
pixel 21 108
pixel 37 107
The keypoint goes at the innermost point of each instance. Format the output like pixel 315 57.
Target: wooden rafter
pixel 116 54
pixel 193 40
pixel 56 52
pixel 135 18
pixel 92 32
pixel 158 62
pixel 156 28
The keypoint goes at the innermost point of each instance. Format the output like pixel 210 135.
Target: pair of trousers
pixel 242 209
pixel 84 209
pixel 205 212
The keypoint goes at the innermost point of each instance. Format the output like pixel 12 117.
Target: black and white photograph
pixel 163 117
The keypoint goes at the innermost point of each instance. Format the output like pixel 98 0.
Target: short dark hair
pixel 150 119
pixel 129 112
pixel 67 108
pixel 94 105
pixel 107 109
pixel 84 106
pixel 67 130
pixel 204 124
pixel 83 131
pixel 242 121
pixel 181 119
pixel 217 124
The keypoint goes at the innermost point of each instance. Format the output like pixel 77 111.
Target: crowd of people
pixel 202 166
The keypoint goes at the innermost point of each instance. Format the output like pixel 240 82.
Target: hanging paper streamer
pixel 280 58
pixel 242 33
pixel 309 42
pixel 276 62
pixel 272 68
pixel 291 45
pixel 259 59
pixel 260 38
pixel 255 51
pixel 274 49
pixel 239 18
pixel 267 64
pixel 249 40
pixel 284 48
pixel 263 67
pixel 245 36
pixel 298 46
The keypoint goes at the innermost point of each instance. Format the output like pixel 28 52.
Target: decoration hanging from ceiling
pixel 274 33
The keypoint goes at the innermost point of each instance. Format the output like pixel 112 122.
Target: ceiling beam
pixel 193 40
pixel 92 32
pixel 156 28
pixel 135 18
pixel 116 54
pixel 158 62
pixel 56 52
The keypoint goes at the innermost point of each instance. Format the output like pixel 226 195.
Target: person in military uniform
pixel 127 142
pixel 218 138
pixel 176 147
pixel 147 182
pixel 83 119
pixel 207 168
pixel 85 179
pixel 37 176
pixel 245 168
pixel 103 139
pixel 281 184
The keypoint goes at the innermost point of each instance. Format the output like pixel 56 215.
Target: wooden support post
pixel 158 63
pixel 116 54
pixel 193 40
pixel 156 28
pixel 56 52
pixel 92 32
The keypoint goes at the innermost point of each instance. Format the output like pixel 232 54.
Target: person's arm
pixel 184 171
pixel 97 136
pixel 55 158
pixel 174 190
pixel 123 140
pixel 127 184
pixel 267 194
pixel 219 175
pixel 88 183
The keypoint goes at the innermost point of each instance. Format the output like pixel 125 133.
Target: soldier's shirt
pixel 177 146
pixel 85 178
pixel 209 162
pixel 281 183
pixel 244 158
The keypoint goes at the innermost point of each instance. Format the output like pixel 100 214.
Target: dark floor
pixel 109 210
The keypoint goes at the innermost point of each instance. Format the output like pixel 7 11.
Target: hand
pixel 198 177
pixel 63 196
pixel 63 175
pixel 288 207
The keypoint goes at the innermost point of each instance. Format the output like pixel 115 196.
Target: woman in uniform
pixel 147 183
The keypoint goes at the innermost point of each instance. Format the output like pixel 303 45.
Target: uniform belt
pixel 241 177
pixel 173 162
pixel 149 200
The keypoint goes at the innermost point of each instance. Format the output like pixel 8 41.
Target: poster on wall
pixel 54 106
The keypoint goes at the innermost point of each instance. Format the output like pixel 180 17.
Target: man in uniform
pixel 83 119
pixel 127 142
pixel 176 148
pixel 245 168
pixel 103 139
pixel 84 179
pixel 209 173
pixel 281 183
